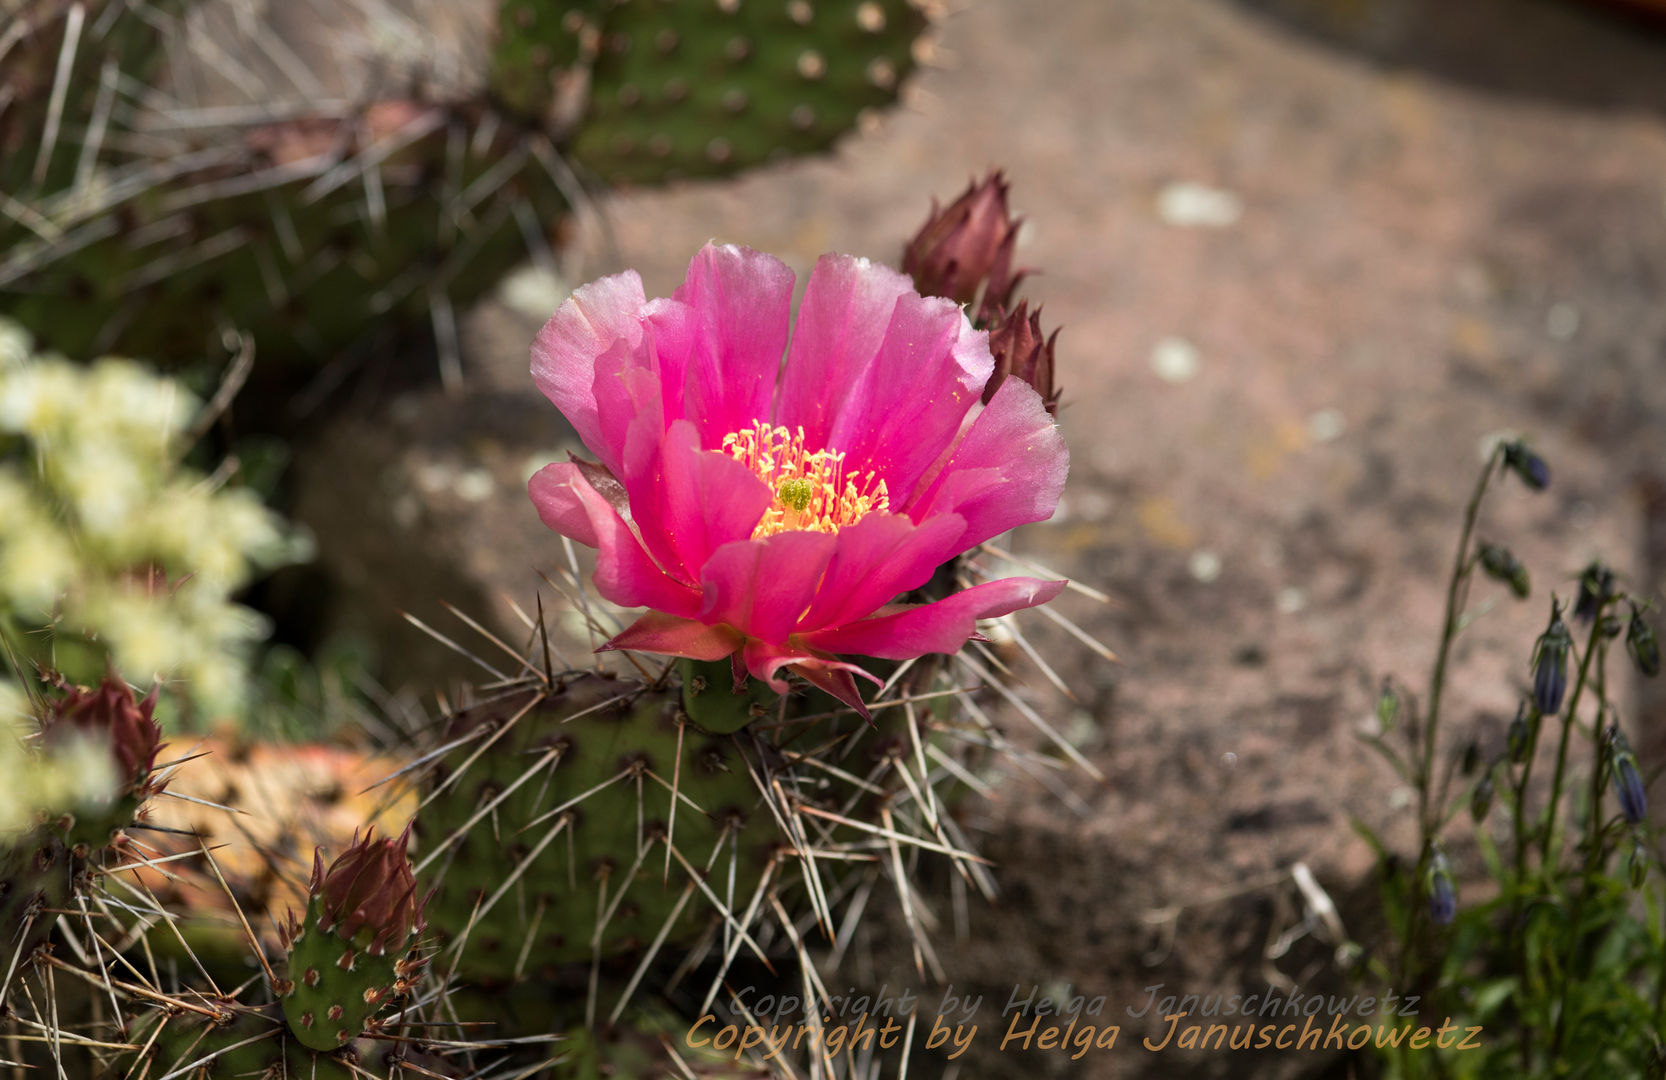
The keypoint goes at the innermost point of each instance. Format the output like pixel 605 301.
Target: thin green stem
pixel 1593 842
pixel 1551 833
pixel 1518 820
pixel 1455 591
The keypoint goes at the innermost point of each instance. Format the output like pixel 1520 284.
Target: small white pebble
pixel 1093 506
pixel 1205 565
pixel 1326 425
pixel 1229 759
pixel 1191 205
pixel 476 485
pixel 1562 321
pixel 436 477
pixel 1175 360
pixel 1291 600
pixel 533 291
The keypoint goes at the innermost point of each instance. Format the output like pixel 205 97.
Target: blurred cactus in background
pixel 248 184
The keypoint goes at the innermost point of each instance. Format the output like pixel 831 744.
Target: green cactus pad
pixel 573 860
pixel 652 1045
pixel 52 94
pixel 309 235
pixel 708 87
pixel 242 1041
pixel 335 986
pixel 543 49
pixel 36 875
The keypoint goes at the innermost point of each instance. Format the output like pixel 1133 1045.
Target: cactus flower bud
pixel 1021 351
pixel 1550 664
pixel 1596 588
pixel 1501 565
pixel 1442 892
pixel 1642 644
pixel 127 726
pixel 349 956
pixel 370 887
pixel 1532 469
pixel 111 712
pixel 965 245
pixel 1628 784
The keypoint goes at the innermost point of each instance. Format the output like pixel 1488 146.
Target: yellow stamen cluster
pixel 812 492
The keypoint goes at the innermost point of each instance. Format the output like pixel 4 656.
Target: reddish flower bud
pixel 370 885
pixel 968 244
pixel 1020 350
pixel 111 712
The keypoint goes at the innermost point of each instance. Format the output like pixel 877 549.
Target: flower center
pixel 812 492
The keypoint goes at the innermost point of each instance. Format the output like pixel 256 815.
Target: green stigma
pixel 796 492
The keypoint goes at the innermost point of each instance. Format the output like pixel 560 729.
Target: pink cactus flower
pixel 770 513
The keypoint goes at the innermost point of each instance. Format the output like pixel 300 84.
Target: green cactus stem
pixel 352 952
pixel 693 88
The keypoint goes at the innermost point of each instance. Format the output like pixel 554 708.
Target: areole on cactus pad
pixel 770 512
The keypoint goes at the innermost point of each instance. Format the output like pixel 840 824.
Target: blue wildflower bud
pixel 1638 865
pixel 1642 644
pixel 1596 588
pixel 1471 759
pixel 1502 565
pixel 1480 799
pixel 1527 465
pixel 1550 664
pixel 1516 739
pixel 1628 784
pixel 1443 894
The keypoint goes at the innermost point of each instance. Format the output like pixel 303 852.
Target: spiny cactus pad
pixel 558 830
pixel 304 233
pixel 351 954
pixel 708 87
pixel 221 1038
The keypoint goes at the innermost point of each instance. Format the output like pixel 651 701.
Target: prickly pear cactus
pixel 301 233
pixel 222 1038
pixel 552 833
pixel 306 225
pixel 60 61
pixel 351 954
pixel 42 869
pixel 690 88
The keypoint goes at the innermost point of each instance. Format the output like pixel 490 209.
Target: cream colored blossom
pixel 105 536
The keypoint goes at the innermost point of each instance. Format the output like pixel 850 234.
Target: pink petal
pixel 742 303
pixel 763 587
pixel 877 559
pixel 940 627
pixel 657 632
pixel 597 318
pixel 696 500
pixel 842 319
pixel 625 574
pixel 1009 469
pixel 834 676
pixel 903 413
